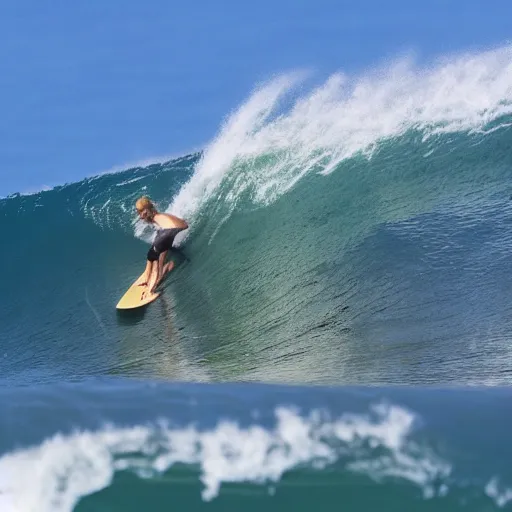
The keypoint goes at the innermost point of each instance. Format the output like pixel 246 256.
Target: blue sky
pixel 88 86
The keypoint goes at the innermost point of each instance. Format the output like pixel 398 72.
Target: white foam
pixel 127 182
pixel 53 476
pixel 146 162
pixel 500 496
pixel 344 116
pixel 37 190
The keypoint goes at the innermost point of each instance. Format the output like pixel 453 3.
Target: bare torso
pixel 168 221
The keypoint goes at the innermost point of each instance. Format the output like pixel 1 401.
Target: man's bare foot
pixel 146 294
pixel 142 281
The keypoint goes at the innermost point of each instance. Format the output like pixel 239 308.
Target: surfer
pixel 168 226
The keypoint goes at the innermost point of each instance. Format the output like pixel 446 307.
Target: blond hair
pixel 146 208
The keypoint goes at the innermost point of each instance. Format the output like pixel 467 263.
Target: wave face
pixel 353 232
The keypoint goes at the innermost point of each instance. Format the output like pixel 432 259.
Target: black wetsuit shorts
pixel 163 242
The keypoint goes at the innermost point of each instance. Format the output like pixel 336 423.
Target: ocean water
pixel 336 332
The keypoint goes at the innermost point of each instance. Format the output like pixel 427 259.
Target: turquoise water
pixel 347 265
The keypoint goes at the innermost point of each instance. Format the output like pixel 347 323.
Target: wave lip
pixel 263 149
pixel 65 468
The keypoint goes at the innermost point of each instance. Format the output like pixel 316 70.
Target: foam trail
pixel 53 476
pixel 95 313
pixel 343 117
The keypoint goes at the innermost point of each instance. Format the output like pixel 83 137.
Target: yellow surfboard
pixel 133 297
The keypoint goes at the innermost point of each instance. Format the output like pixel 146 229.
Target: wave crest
pixel 63 469
pixel 264 149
